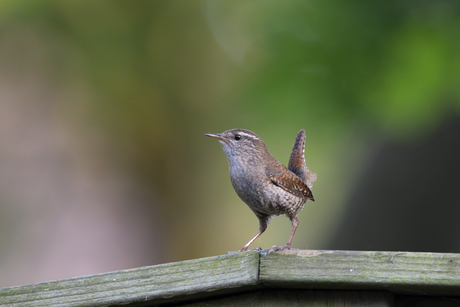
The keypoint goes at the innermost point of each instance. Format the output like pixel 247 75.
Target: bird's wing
pixel 289 182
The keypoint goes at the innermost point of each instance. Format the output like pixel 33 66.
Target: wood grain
pixel 348 278
pixel 398 272
pixel 154 284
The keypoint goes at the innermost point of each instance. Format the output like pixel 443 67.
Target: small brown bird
pixel 263 183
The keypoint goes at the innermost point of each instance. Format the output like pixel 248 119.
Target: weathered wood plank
pixel 304 298
pixel 398 272
pixel 154 284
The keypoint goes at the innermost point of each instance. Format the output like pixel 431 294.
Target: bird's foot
pixel 244 250
pixel 279 248
pixel 232 252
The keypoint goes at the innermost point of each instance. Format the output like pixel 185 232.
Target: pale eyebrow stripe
pixel 248 135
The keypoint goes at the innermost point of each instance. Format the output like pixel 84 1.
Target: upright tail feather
pixel 297 163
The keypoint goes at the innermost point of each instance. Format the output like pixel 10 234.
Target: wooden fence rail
pixel 303 276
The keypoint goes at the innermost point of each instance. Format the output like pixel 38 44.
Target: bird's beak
pixel 215 135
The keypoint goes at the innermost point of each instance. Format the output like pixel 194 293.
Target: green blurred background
pixel 103 107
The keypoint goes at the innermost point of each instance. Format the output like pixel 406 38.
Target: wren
pixel 264 184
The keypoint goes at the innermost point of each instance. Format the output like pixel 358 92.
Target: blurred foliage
pixel 153 76
pixel 393 65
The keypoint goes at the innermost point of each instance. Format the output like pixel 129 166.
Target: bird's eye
pixel 237 137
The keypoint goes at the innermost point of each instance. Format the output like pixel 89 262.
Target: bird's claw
pixel 232 252
pixel 279 248
pixel 244 250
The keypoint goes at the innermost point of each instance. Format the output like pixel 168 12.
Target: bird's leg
pixel 262 227
pixel 295 223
